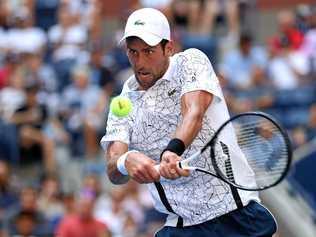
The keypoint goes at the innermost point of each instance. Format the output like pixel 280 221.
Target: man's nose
pixel 140 61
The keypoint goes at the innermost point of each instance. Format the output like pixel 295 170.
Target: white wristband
pixel 120 164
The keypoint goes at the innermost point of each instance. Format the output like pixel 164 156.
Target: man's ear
pixel 169 48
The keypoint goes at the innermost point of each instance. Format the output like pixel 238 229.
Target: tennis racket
pixel 263 148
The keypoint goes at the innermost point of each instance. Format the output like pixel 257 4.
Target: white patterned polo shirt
pixel 152 124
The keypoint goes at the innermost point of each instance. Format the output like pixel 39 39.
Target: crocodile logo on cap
pixel 139 23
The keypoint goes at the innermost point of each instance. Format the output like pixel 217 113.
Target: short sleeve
pixel 117 129
pixel 196 73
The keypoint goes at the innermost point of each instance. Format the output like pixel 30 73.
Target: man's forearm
pixel 114 151
pixel 193 107
pixel 189 128
pixel 114 175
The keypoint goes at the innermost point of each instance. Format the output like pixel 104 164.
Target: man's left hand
pixel 169 167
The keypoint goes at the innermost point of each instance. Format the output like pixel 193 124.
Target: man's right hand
pixel 141 168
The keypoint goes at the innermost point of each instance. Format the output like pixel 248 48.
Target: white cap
pixel 149 24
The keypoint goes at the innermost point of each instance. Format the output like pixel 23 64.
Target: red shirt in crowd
pixel 74 226
pixel 293 36
pixel 4 75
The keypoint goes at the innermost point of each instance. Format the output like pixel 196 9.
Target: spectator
pixel 102 197
pixel 162 5
pixel 103 76
pixel 34 38
pixel 42 74
pixel 133 203
pixel 45 13
pixel 25 224
pixel 100 74
pixel 82 223
pixel 114 216
pixel 67 39
pixel 30 119
pixel 11 64
pixel 303 17
pixel 200 16
pixel 287 67
pixel 84 112
pixel 3 46
pixel 241 66
pixel 12 96
pixel 49 199
pixel 4 14
pixel 89 15
pixel 68 36
pixel 204 21
pixel 35 71
pixel 92 183
pixel 287 30
pixel 69 203
pixel 8 196
pixel 27 208
pixel 299 137
pixel 130 227
pixel 311 126
pixel 308 48
pixel 193 26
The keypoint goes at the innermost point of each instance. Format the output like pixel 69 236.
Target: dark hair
pixel 245 37
pixel 31 215
pixel 284 41
pixel 32 87
pixel 163 43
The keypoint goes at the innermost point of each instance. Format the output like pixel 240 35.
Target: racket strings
pixel 263 147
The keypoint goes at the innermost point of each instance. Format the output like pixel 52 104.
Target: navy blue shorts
pixel 252 220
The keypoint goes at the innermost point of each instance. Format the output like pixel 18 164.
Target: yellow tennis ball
pixel 121 106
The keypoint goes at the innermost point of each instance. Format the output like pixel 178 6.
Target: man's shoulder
pixel 191 52
pixel 190 57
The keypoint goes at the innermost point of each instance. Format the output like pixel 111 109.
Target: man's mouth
pixel 143 74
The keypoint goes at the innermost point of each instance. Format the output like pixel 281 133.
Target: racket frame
pixel 184 164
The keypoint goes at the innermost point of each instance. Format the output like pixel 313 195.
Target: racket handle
pixel 185 164
pixel 156 167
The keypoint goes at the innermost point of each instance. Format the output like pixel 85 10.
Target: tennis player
pixel 177 106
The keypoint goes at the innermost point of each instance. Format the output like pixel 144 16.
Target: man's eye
pixel 149 51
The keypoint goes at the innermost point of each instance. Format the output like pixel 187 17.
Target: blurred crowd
pixel 57 76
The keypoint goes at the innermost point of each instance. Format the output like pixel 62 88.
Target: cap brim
pixel 148 38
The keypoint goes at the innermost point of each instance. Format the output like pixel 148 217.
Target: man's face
pixel 149 63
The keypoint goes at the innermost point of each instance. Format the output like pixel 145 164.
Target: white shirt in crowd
pixel 71 40
pixel 283 70
pixel 34 40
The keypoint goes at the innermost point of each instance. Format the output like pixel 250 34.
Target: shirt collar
pixel 168 73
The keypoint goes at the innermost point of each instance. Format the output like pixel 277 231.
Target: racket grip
pixel 156 167
pixel 185 164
